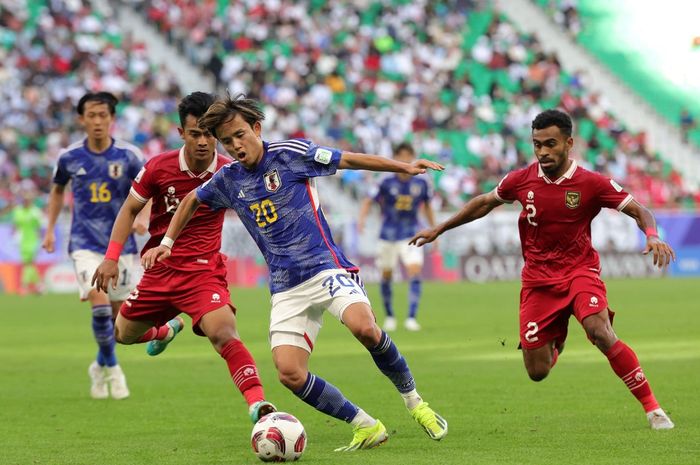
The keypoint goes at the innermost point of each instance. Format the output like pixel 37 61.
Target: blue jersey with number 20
pixel 278 203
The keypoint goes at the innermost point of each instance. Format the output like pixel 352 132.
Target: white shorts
pixel 297 314
pixel 391 251
pixel 87 261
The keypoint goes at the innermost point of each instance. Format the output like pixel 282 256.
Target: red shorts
pixel 163 293
pixel 545 310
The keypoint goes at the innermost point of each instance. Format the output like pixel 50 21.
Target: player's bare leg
pixel 292 369
pixel 540 361
pixel 414 292
pixel 387 297
pixel 360 320
pixel 625 364
pixel 106 375
pixel 220 327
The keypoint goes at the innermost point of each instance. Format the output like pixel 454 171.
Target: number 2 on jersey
pixel 265 209
pixel 100 193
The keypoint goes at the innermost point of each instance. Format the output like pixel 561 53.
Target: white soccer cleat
pixel 411 324
pixel 389 324
pixel 659 420
pixel 117 382
pixel 98 387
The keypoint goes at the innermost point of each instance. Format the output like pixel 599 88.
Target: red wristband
pixel 113 251
pixel 651 231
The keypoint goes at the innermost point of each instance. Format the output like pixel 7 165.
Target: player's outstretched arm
pixel 363 161
pixel 182 216
pixel 662 252
pixel 54 209
pixel 476 208
pixel 108 271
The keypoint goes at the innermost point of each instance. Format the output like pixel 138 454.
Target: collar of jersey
pixel 568 175
pixel 183 165
pixel 87 149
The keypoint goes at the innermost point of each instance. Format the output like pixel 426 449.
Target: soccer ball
pixel 278 437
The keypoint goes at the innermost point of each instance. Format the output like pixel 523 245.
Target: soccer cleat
pixel 432 423
pixel 389 324
pixel 411 324
pixel 98 387
pixel 155 346
pixel 659 420
pixel 260 409
pixel 366 438
pixel 117 383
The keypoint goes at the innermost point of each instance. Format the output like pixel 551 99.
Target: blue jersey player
pixel 400 198
pixel 100 170
pixel 272 188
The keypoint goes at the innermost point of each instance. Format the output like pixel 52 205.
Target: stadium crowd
pixel 457 80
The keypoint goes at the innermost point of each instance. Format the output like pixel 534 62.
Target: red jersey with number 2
pixel 166 179
pixel 555 223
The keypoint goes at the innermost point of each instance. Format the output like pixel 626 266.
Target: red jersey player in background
pixel 193 279
pixel 562 269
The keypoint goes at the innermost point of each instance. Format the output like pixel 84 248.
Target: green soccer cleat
pixel 432 423
pixel 260 409
pixel 366 438
pixel 155 347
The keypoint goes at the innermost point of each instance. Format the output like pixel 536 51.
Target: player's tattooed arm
pixel 661 251
pixel 363 161
pixel 55 206
pixel 182 216
pixel 476 208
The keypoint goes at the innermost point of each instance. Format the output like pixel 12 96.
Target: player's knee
pixel 538 372
pixel 292 378
pixel 221 337
pixel 368 334
pixel 122 338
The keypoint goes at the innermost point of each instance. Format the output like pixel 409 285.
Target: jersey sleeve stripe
pixel 624 203
pixel 137 196
pixel 300 144
pixel 286 147
pixel 498 197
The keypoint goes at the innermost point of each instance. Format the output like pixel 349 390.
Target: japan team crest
pixel 272 180
pixel 115 169
pixel 573 199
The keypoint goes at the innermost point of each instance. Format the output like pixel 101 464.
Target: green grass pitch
pixel 184 409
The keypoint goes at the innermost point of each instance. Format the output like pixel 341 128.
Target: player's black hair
pixel 195 104
pixel 223 111
pixel 556 118
pixel 404 146
pixel 101 97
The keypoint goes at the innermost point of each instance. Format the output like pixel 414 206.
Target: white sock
pixel 411 399
pixel 363 420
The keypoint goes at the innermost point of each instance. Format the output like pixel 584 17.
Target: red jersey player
pixel 193 279
pixel 562 269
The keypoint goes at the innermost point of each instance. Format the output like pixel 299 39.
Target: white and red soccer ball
pixel 278 437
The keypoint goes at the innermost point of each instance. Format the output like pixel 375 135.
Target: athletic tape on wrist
pixel 167 242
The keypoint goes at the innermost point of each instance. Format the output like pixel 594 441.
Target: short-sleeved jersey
pixel 27 220
pixel 100 183
pixel 278 203
pixel 400 201
pixel 555 223
pixel 166 179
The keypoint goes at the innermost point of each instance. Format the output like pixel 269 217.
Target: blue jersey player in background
pixel 100 170
pixel 400 198
pixel 271 186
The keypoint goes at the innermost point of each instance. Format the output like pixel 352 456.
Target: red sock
pixel 158 333
pixel 243 371
pixel 625 364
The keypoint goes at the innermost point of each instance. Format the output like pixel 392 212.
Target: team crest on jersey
pixel 573 199
pixel 115 169
pixel 272 180
pixel 415 190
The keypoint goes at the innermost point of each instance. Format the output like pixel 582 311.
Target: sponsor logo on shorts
pixel 215 297
pixel 594 302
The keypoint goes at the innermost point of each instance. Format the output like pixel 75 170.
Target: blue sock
pixel 390 361
pixel 414 297
pixel 386 297
pixel 101 359
pixel 103 329
pixel 325 397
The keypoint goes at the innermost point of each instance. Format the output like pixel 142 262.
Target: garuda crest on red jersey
pixel 573 199
pixel 272 180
